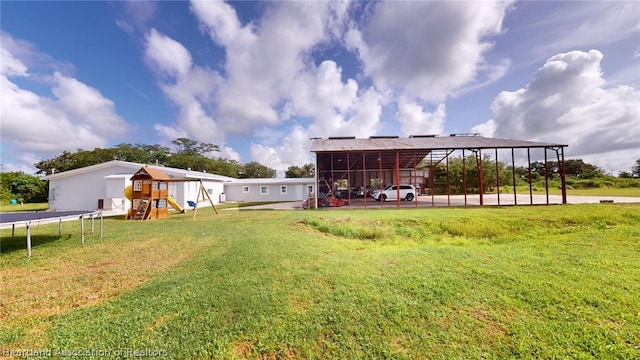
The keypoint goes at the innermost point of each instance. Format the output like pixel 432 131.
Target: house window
pixel 264 190
pixel 137 185
pixel 283 189
pixel 210 191
pixel 310 189
pixel 245 189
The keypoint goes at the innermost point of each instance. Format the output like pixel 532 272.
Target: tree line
pixel 188 154
pixel 463 174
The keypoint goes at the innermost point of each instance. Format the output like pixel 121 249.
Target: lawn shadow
pixel 19 243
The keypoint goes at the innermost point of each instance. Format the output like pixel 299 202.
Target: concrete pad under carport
pixel 426 201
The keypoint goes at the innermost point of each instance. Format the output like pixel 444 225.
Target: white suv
pixel 407 192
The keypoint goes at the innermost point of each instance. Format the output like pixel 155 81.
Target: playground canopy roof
pixel 154 173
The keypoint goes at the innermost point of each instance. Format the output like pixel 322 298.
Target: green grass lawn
pixel 603 191
pixel 23 207
pixel 512 282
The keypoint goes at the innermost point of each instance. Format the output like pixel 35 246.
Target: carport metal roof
pixel 421 142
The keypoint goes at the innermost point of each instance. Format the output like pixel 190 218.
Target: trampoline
pixel 28 218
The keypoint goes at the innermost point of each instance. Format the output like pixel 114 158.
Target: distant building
pixel 290 189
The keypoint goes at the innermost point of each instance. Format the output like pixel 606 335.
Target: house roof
pixel 172 173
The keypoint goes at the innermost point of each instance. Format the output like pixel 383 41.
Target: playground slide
pixel 174 204
pixel 128 193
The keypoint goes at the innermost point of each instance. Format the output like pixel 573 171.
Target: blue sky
pixel 260 78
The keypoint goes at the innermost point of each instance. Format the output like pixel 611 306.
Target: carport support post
pixel 448 180
pixel 28 238
pixel 101 224
pixel 415 177
pixel 317 179
pixel 397 179
pixel 479 166
pixel 92 218
pixel 464 177
pixel 530 185
pixel 364 178
pixel 546 175
pixel 82 227
pixel 563 178
pixel 513 175
pixel 380 175
pixel 348 181
pixel 333 182
pixel 497 178
pixel 432 182
pixel 59 226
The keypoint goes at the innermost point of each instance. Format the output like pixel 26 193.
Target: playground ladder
pixel 143 207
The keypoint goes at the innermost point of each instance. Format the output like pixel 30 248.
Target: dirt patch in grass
pixel 492 326
pixel 242 348
pixel 83 276
pixel 297 304
pixel 160 321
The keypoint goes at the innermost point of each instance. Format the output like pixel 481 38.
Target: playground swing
pixel 203 195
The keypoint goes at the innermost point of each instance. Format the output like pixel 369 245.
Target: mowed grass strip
pixel 554 281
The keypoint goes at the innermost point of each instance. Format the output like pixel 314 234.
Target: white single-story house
pixel 289 189
pixel 101 187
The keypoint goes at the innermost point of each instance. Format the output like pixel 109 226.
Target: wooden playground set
pixel 150 199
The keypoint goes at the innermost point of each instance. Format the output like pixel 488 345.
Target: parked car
pixel 407 192
pixel 361 192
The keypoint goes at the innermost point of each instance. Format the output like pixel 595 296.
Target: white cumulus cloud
pixel 416 121
pixel 192 88
pixel 266 61
pixel 167 56
pixel 569 102
pixel 38 125
pixel 293 151
pixel 427 49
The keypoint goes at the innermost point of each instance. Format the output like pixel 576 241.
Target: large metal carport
pixel 394 160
